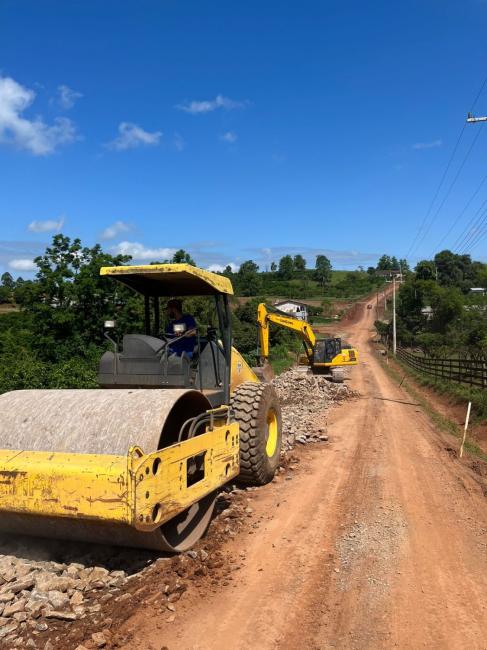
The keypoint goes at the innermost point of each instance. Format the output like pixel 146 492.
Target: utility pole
pixel 394 315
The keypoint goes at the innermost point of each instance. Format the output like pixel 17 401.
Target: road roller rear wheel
pixel 257 410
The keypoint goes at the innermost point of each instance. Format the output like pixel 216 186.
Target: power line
pixel 464 235
pixel 455 221
pixel 476 241
pixel 475 233
pixel 413 245
pixel 451 186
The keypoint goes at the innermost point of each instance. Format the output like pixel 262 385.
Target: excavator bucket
pixel 264 372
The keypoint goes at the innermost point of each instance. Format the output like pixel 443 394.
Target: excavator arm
pixel 299 327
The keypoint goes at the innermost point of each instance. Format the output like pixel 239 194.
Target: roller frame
pixel 114 488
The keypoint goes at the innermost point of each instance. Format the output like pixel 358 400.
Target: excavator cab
pixel 325 350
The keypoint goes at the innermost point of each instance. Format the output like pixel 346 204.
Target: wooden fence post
pixel 465 428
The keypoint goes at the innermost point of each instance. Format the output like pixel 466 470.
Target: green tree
pixel 404 266
pixel 447 304
pixel 299 263
pixel 286 267
pixel 182 257
pixel 322 273
pixel 273 267
pixel 5 294
pixel 425 270
pixel 249 281
pixel 384 263
pixel 7 281
pixel 69 300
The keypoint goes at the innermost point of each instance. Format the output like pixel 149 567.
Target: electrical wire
pixel 425 218
pixel 480 237
pixel 452 185
pixel 460 215
pixel 475 234
pixel 415 243
pixel 472 225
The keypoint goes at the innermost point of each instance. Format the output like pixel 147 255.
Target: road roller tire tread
pixel 250 403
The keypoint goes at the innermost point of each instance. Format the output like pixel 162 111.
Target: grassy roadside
pixel 459 392
pixel 443 423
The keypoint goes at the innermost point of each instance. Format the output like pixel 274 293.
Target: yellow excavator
pixel 324 356
pixel 138 462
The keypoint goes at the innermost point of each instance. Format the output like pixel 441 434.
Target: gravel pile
pixel 34 593
pixel 46 583
pixel 305 399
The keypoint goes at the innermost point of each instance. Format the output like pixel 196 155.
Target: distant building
pixel 388 275
pixel 427 312
pixel 294 308
pixel 478 291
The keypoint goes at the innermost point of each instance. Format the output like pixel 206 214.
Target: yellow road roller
pixel 138 461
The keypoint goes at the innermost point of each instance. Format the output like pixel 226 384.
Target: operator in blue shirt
pixel 181 330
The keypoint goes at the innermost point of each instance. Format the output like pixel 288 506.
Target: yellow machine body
pixel 240 371
pixel 123 491
pixel 139 490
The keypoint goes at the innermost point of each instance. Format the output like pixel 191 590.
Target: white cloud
pixel 33 135
pixel 22 265
pixel 208 105
pixel 140 252
pixel 219 268
pixel 428 145
pixel 115 229
pixel 229 136
pixel 47 225
pixel 179 142
pixel 67 97
pixel 132 136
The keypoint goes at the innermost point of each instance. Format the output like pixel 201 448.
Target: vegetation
pixel 55 338
pixel 442 422
pixel 290 278
pixel 437 312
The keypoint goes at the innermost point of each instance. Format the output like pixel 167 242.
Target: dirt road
pixel 377 541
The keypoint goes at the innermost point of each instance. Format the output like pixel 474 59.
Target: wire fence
pixel 463 371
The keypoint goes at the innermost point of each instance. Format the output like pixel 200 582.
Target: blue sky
pixel 238 130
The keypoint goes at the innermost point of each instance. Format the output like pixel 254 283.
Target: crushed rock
pixel 304 399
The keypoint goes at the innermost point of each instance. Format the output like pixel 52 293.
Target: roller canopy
pixel 169 280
